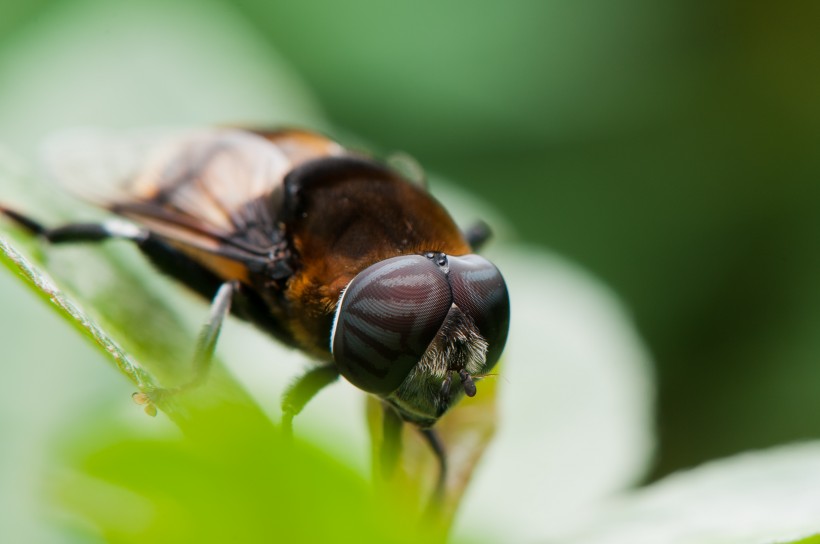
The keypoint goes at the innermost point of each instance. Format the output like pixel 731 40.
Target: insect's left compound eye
pixel 480 291
pixel 386 319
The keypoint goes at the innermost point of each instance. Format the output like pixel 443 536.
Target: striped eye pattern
pixel 390 313
pixel 479 290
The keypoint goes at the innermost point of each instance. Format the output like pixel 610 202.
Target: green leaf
pixel 763 497
pixel 810 540
pixel 46 289
pixel 224 482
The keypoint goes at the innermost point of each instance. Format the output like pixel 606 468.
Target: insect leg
pixel 77 232
pixel 208 335
pixel 302 390
pixel 478 234
pixel 435 443
pixel 205 346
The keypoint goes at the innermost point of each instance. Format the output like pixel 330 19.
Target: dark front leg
pixel 477 235
pixel 391 446
pixel 209 334
pixel 437 446
pixel 302 390
pixel 205 346
pixel 77 232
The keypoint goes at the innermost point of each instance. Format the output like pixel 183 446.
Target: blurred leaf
pixel 44 287
pixel 224 482
pixel 810 540
pixel 520 74
pixel 189 63
pixel 758 497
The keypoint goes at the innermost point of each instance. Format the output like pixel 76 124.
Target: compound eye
pixel 386 319
pixel 480 291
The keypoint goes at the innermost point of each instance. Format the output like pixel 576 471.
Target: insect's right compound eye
pixel 386 318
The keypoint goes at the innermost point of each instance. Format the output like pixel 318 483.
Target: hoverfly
pixel 327 250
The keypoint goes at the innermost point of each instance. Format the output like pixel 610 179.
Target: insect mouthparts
pixel 467 382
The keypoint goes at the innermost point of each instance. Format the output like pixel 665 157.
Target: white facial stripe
pixel 336 316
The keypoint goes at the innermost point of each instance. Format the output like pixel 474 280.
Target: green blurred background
pixel 672 148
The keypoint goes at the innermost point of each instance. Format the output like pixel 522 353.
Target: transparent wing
pixel 98 165
pixel 200 187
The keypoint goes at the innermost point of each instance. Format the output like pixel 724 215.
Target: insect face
pixel 405 326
